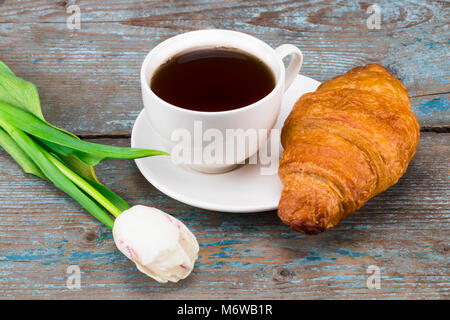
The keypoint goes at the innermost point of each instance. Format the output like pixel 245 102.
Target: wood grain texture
pixel 404 231
pixel 89 78
pixel 88 82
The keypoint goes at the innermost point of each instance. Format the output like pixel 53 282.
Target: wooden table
pixel 88 82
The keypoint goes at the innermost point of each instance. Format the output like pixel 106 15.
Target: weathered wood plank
pixel 88 78
pixel 404 231
pixel 88 81
pixel 398 14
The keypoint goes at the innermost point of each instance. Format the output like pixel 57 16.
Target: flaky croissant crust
pixel 343 144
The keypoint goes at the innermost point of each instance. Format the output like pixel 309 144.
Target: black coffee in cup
pixel 213 80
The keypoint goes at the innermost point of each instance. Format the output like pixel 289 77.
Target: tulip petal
pixel 160 245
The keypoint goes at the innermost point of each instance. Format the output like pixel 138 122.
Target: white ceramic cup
pixel 166 118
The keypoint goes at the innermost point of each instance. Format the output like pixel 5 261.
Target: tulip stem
pixel 83 185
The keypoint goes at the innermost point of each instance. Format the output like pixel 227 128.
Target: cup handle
pixel 294 66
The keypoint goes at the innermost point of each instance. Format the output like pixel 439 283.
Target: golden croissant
pixel 343 144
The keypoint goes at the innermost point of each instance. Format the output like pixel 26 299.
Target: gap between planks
pixel 440 129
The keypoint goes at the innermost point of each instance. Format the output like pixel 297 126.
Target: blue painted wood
pixel 106 54
pixel 88 83
pixel 404 231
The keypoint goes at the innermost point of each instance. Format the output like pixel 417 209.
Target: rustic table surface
pixel 88 83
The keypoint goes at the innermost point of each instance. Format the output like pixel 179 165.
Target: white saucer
pixel 242 190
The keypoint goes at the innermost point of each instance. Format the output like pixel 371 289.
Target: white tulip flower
pixel 160 245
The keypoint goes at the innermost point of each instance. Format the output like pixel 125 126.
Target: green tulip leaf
pixel 10 146
pixel 38 154
pixel 23 94
pixel 54 154
pixel 88 152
